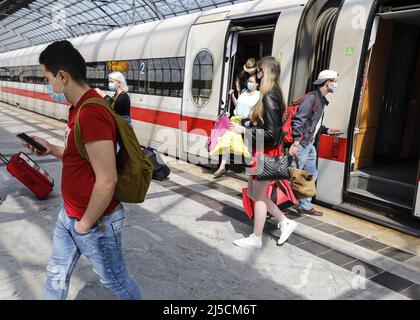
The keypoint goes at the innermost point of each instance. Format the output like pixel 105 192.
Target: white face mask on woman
pixel 251 86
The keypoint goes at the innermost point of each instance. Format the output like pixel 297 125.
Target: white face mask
pixel 333 87
pixel 250 86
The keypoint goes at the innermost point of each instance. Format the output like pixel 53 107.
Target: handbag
pixel 303 184
pixel 273 168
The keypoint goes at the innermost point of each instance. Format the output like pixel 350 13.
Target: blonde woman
pixel 118 84
pixel 243 106
pixel 266 115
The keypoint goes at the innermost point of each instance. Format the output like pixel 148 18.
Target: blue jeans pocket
pixel 91 231
pixel 117 230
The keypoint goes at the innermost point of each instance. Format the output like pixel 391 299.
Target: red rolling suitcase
pixel 30 174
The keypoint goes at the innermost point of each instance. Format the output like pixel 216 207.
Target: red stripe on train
pixel 330 148
pixel 167 119
pixel 172 120
pixel 30 94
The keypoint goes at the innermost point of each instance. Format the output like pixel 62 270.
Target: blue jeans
pixel 102 248
pixel 307 161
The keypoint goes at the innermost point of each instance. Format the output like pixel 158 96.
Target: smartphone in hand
pixel 27 139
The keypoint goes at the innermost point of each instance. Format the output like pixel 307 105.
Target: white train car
pixel 179 71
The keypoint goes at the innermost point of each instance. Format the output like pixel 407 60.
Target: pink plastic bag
pixel 221 125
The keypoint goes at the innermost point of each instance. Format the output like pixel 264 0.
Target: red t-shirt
pixel 78 177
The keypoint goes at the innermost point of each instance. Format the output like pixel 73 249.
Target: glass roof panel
pixel 43 21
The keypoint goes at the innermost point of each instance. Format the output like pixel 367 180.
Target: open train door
pixel 382 161
pixel 204 65
pixel 416 206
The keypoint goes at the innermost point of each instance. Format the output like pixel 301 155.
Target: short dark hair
pixel 61 55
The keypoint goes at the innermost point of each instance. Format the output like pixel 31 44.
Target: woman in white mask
pixel 243 105
pixel 118 85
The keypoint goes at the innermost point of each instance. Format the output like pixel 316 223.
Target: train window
pixel 151 77
pixel 95 75
pixel 23 74
pixel 202 78
pixel 38 76
pixel 16 74
pixel 142 76
pixel 167 77
pixel 163 77
pixel 129 69
pixel 158 81
pixel 4 74
pixel 27 74
pixel 133 76
pixel 177 66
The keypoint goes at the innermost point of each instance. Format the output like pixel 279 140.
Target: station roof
pixel 26 23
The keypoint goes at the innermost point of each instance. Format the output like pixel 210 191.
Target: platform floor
pixel 178 243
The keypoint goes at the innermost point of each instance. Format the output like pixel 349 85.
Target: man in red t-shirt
pixel 87 186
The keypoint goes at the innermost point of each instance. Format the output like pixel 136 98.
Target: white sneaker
pixel 287 227
pixel 251 241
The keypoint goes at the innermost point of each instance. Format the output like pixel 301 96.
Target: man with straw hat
pixel 249 68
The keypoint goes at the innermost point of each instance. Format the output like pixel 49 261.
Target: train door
pixel 386 145
pixel 314 45
pixel 204 65
pixel 251 38
pixel 322 25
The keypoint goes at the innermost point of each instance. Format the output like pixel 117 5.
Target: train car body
pixel 179 71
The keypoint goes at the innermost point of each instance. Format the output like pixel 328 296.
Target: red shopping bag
pixel 279 191
pixel 247 203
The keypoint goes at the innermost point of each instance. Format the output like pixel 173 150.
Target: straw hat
pixel 250 66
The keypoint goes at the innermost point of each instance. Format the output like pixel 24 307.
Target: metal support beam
pixel 151 5
pixel 47 16
pixel 134 12
pixel 109 16
pixel 18 34
pixel 4 47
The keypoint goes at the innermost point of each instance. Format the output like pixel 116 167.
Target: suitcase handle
pixel 4 159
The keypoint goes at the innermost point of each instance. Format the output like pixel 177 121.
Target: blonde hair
pixel 270 81
pixel 118 76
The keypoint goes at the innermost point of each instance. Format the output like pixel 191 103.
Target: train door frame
pixel 259 23
pixel 347 195
pixel 256 24
pixel 208 33
pixel 285 45
pixel 230 58
pixel 228 73
pixel 301 73
pixel 346 52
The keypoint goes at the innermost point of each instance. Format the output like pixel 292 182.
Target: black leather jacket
pixel 272 115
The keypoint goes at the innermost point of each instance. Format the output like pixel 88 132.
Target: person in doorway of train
pixel 241 79
pixel 307 126
pixel 243 105
pixel 118 85
pixel 266 115
pixel 91 220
